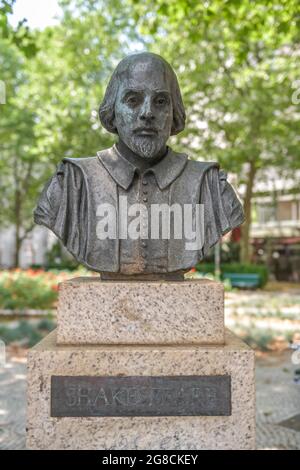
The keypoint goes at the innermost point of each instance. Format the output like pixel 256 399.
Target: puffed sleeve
pixel 232 204
pixel 49 201
pixel 222 208
pixel 63 208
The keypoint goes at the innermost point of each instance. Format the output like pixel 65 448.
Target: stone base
pixel 91 311
pixel 236 431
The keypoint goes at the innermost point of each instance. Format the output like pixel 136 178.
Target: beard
pixel 145 146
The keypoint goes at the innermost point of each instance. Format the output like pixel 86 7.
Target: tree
pixel 68 76
pixel 17 158
pixel 52 102
pixel 21 36
pixel 237 64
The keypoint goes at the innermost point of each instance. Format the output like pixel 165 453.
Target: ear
pixel 114 129
pixel 107 121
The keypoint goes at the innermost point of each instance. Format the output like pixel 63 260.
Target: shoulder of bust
pixel 199 168
pixel 86 162
pixel 202 165
pixel 85 165
pixel 81 161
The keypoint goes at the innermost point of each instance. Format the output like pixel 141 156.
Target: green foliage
pixel 52 102
pixel 25 291
pixel 59 258
pixel 259 339
pixel 264 339
pixel 22 37
pixel 237 65
pixel 46 324
pixel 239 268
pixel 33 289
pixel 69 75
pixel 230 252
pixel 6 8
pixel 26 333
pixel 20 171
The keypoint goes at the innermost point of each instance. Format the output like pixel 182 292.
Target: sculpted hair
pixel 107 107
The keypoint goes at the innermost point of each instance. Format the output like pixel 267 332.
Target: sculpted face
pixel 143 108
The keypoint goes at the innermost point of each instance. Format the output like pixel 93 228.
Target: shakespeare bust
pixel 139 207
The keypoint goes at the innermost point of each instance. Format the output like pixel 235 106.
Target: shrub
pixel 32 289
pixel 26 289
pixel 26 333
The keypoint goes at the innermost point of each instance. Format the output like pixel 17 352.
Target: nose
pixel 146 111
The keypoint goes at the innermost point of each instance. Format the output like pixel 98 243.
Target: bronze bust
pixel 106 209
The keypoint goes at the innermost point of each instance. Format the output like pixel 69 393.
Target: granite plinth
pixel 234 358
pixel 91 311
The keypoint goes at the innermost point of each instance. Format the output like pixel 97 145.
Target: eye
pixel 132 100
pixel 161 100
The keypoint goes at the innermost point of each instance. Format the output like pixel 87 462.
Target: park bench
pixel 243 280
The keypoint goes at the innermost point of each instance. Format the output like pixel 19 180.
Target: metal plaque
pixel 82 396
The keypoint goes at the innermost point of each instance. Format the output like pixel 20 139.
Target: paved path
pixel 278 399
pixel 13 403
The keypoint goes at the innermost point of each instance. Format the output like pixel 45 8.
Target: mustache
pixel 145 129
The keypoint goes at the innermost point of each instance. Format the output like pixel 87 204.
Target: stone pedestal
pixel 91 311
pixel 235 430
pixel 141 365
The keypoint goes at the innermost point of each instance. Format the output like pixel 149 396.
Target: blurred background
pixel 238 65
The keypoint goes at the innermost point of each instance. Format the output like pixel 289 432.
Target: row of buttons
pixel 145 224
pixel 145 191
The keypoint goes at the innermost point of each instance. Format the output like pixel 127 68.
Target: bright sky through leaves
pixel 39 14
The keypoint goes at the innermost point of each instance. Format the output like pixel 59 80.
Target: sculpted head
pixel 143 104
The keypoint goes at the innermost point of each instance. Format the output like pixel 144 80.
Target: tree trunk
pixel 245 240
pixel 21 188
pixel 18 228
pixel 17 247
